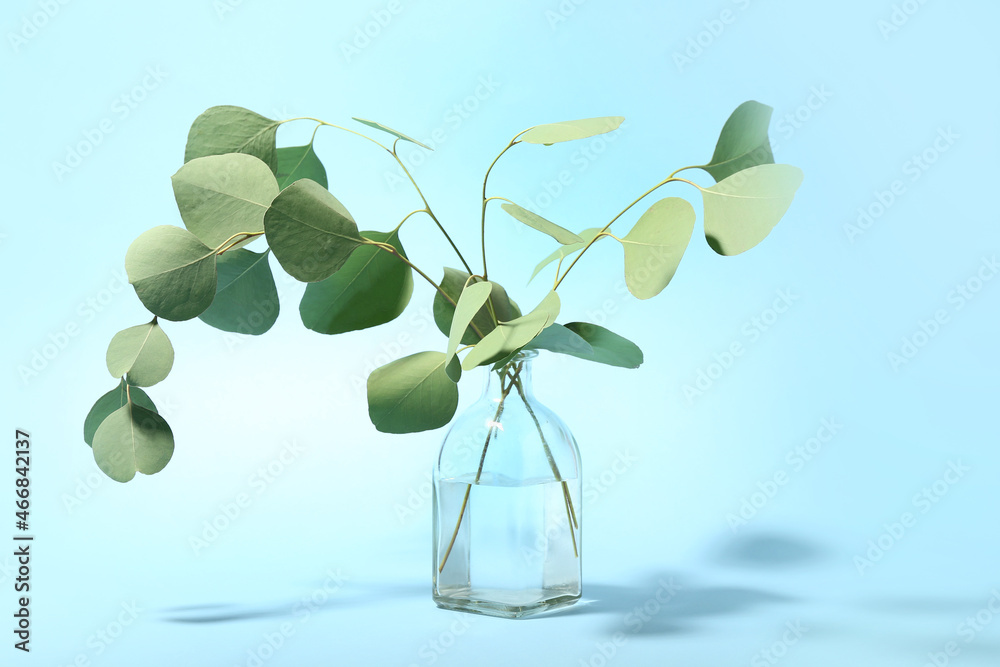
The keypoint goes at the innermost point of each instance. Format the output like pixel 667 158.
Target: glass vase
pixel 507 513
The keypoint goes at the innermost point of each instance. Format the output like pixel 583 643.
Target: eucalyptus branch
pixel 408 216
pixel 603 232
pixel 482 226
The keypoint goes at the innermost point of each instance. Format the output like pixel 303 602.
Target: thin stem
pixel 489 199
pixel 392 152
pixel 570 513
pixel 235 240
pixel 669 179
pixel 482 459
pixel 408 215
pixel 482 226
pixel 389 248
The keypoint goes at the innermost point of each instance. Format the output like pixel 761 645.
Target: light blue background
pixel 336 505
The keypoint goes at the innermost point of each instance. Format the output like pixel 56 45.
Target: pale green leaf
pixel 473 298
pixel 743 142
pixel 372 288
pixel 654 247
pixel 452 283
pixel 509 336
pixel 310 232
pixel 741 210
pixel 229 129
pixel 142 352
pixel 412 394
pixel 172 271
pixel 222 195
pixel 132 439
pixel 557 338
pixel 110 402
pixel 298 162
pixel 536 221
pixel 570 130
pixel 380 126
pixel 246 299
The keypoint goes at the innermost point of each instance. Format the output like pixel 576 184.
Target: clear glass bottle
pixel 507 512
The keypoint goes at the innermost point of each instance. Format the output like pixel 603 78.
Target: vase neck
pixel 514 379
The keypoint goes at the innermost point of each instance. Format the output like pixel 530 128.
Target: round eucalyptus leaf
pixel 571 130
pixel 172 271
pixel 142 352
pixel 222 195
pixel 132 439
pixel 453 283
pixel 310 232
pixel 412 394
pixel 110 402
pixel 372 288
pixel 230 129
pixel 512 335
pixel 246 299
pixel 655 246
pixel 743 142
pixel 741 210
pixel 298 162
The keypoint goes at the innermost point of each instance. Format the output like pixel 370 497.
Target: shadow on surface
pixel 764 550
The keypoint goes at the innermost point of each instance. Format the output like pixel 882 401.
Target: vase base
pixel 506 604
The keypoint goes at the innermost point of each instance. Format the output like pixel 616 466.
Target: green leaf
pixel 297 162
pixel 509 336
pixel 380 126
pixel 454 369
pixel 473 298
pixel 246 299
pixel 570 130
pixel 743 142
pixel 654 247
pixel 310 232
pixel 132 439
pixel 229 129
pixel 557 338
pixel 143 352
pixel 110 402
pixel 412 394
pixel 452 283
pixel 222 195
pixel 743 209
pixel 586 237
pixel 372 288
pixel 172 271
pixel 535 221
pixel 609 348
